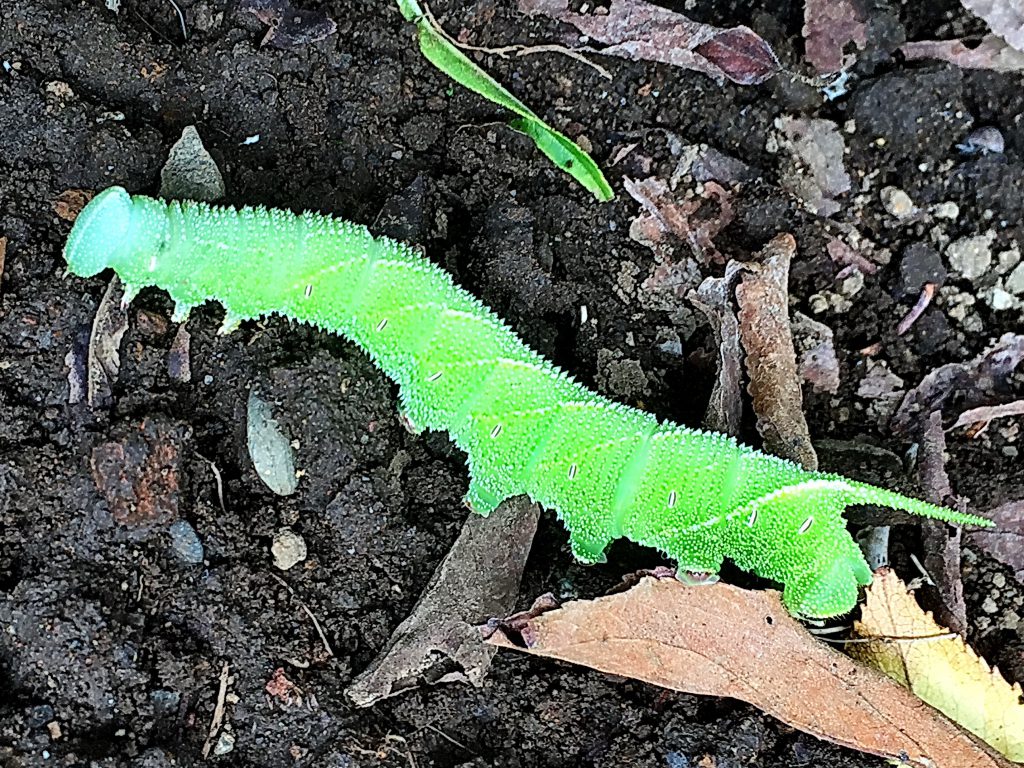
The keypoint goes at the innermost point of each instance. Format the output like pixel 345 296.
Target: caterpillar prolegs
pixel 607 470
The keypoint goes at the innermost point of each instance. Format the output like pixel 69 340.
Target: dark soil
pixel 111 647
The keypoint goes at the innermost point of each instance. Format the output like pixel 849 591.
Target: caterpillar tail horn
pixel 861 493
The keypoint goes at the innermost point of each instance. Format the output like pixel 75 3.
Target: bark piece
pixel 1005 541
pixel 439 641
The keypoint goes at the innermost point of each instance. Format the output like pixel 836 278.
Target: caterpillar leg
pixel 481 499
pixel 827 589
pixel 589 551
pixel 406 420
pixel 696 578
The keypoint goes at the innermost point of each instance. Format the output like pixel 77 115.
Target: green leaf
pixel 561 150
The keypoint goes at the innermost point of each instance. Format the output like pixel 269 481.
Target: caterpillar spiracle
pixel 606 469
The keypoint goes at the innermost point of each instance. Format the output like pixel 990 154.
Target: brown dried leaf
pixel 104 358
pixel 69 203
pixel 992 53
pixel 829 26
pixel 766 335
pixel 1005 541
pixel 1004 17
pixel 640 31
pixel 478 578
pixel 969 383
pixel 3 257
pixel 938 666
pixel 290 27
pixel 724 641
pixel 665 220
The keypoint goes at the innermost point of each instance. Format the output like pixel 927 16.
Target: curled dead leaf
pixel 767 338
pixel 992 53
pixel 640 31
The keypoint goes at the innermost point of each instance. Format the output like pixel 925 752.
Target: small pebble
pixel 897 202
pixel 989 605
pixel 948 210
pixel 288 549
pixel 971 257
pixel 185 543
pixel 225 743
pixel 1001 300
pixel 1015 282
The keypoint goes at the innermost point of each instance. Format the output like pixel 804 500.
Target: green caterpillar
pixel 608 470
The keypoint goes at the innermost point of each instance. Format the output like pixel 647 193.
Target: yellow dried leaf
pixel 910 647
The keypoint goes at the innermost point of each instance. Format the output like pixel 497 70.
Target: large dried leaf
pixel 1004 17
pixel 640 31
pixel 724 641
pixel 992 53
pixel 1004 541
pixel 767 338
pixel 908 646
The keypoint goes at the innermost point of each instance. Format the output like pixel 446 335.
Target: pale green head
pixel 111 229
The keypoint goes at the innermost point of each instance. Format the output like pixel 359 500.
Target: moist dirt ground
pixel 112 646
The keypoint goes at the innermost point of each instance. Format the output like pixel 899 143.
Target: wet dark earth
pixel 118 640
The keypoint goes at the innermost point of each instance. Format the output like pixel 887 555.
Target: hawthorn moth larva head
pixel 112 228
pixel 99 230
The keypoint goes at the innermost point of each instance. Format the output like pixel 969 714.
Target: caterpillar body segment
pixel 607 470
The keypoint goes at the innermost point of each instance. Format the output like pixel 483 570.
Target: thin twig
pixel 153 29
pixel 219 480
pixel 927 577
pixel 927 292
pixel 519 50
pixel 443 735
pixel 889 638
pixel 218 711
pixel 316 623
pixel 181 19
